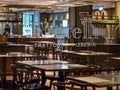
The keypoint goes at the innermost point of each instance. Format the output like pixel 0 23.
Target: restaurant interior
pixel 59 45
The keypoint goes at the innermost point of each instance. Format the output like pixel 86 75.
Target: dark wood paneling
pixel 75 21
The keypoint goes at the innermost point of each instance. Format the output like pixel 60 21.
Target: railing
pixel 105 19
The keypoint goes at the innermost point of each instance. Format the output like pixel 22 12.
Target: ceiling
pixel 54 4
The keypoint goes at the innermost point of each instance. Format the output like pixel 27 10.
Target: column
pixel 117 13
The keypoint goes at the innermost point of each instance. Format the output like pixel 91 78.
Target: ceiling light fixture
pixel 101 8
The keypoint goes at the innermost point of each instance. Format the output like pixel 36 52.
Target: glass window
pixel 27 24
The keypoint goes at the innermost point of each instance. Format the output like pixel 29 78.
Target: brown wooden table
pixel 99 80
pixel 12 47
pixel 115 58
pixel 114 62
pixel 85 53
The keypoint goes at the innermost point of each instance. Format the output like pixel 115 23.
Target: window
pixel 27 24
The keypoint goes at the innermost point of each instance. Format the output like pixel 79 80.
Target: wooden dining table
pixel 53 65
pixel 40 42
pixel 13 56
pixel 115 58
pixel 86 54
pixel 114 62
pixel 8 47
pixel 108 80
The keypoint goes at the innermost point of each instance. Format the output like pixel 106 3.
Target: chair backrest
pixel 66 86
pixel 3 39
pixel 26 80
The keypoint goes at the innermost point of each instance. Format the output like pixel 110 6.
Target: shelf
pixel 60 23
pixel 100 21
pixel 10 20
pixel 59 27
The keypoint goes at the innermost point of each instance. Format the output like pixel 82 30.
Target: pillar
pixel 117 13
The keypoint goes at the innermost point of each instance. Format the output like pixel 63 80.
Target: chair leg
pixel 54 87
pixel 51 84
pixel 94 88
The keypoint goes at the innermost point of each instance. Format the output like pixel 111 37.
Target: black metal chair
pixel 83 86
pixel 25 79
pixel 66 86
pixel 52 78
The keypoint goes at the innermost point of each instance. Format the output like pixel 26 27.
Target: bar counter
pixel 25 48
pixel 25 40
